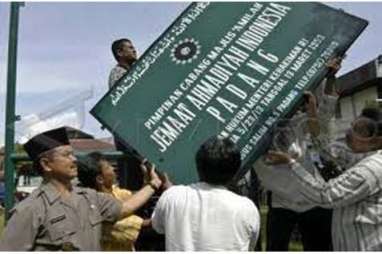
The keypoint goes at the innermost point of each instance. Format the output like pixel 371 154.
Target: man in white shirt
pixel 289 207
pixel 206 216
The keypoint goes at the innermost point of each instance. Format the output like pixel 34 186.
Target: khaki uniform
pixel 46 222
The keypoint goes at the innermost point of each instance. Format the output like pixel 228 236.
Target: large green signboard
pixel 225 68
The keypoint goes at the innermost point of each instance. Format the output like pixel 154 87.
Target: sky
pixel 64 48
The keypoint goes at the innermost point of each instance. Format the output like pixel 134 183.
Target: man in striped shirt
pixel 355 195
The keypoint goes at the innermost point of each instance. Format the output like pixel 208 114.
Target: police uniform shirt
pixel 45 221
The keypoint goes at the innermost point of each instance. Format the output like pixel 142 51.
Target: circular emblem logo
pixel 185 51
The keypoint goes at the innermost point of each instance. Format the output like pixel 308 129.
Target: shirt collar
pixel 53 195
pixel 122 66
pixel 210 186
pixel 50 192
pixel 79 190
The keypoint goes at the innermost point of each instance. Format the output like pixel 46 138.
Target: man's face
pixel 108 174
pixel 358 137
pixel 62 164
pixel 127 52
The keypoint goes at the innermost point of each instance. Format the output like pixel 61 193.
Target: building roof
pixel 369 74
pixel 90 145
pixel 75 133
pixel 84 142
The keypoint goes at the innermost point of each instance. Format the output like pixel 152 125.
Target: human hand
pixel 149 174
pixel 166 182
pixel 333 65
pixel 277 158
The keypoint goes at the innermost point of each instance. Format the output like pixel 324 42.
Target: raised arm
pixel 138 199
pixel 350 187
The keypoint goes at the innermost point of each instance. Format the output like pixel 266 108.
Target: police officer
pixel 57 215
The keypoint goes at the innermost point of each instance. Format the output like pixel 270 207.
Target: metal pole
pixel 10 116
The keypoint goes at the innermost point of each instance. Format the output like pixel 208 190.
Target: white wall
pixel 357 100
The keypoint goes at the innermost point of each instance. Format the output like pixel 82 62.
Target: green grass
pixel 295 246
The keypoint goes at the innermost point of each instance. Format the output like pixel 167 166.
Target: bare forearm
pixel 330 87
pixel 313 126
pixel 137 200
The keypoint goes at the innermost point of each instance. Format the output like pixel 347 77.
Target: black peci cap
pixel 46 141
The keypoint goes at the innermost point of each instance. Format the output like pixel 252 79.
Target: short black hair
pixel 374 114
pixel 117 45
pixel 89 167
pixel 217 161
